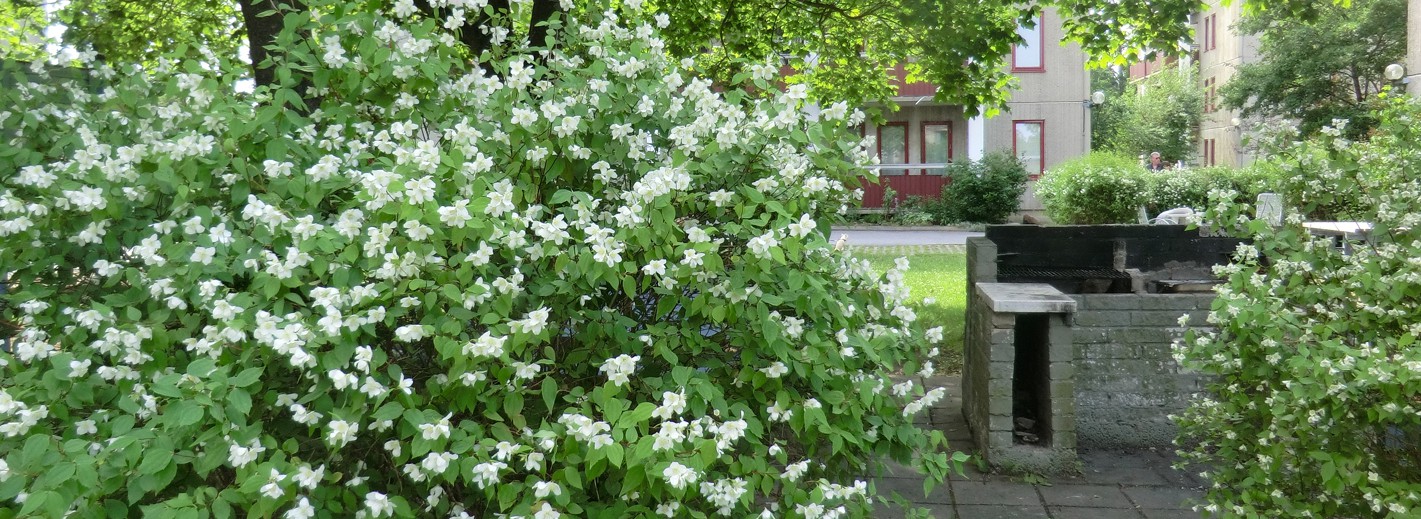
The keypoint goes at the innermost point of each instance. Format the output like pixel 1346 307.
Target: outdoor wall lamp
pixel 1096 99
pixel 1394 71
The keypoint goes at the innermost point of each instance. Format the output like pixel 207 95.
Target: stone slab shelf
pixel 1025 298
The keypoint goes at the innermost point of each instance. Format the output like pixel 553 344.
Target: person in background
pixel 1155 163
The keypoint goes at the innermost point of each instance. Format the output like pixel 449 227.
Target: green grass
pixel 939 296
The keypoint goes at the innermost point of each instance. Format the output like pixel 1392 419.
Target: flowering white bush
pixel 534 282
pixel 1315 409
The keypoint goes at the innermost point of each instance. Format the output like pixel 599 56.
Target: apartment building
pixel 1046 121
pixel 1219 50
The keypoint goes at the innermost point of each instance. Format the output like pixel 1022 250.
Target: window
pixel 1029 145
pixel 1211 94
pixel 1030 54
pixel 893 147
pixel 1210 38
pixel 1210 147
pixel 937 145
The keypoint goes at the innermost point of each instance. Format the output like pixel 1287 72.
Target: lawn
pixel 939 296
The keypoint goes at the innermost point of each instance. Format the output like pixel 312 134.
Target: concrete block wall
pixel 1127 382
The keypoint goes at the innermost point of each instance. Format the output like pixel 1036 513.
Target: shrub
pixel 985 191
pixel 1190 187
pixel 1094 189
pixel 520 283
pixel 1314 409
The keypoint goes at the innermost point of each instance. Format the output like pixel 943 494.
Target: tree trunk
pixel 261 33
pixel 542 11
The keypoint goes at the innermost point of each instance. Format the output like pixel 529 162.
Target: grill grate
pixel 1014 272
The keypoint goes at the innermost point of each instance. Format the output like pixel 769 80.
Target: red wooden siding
pixel 928 186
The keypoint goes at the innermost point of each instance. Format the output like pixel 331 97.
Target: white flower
pixel 437 463
pixel 239 455
pixel 933 335
pixel 203 255
pixel 795 470
pixel 272 489
pixel 308 478
pixel 803 227
pixel 546 511
pixel 672 404
pixel 341 432
pixel 533 323
pixel 4 471
pixel 485 346
pixel 775 370
pixel 410 333
pixel 679 475
pixel 485 474
pixel 619 369
pixel 655 268
pixel 379 504
pixel 760 245
pixel 302 510
pixel 668 509
pixel 435 431
pixel 84 427
pixel 543 489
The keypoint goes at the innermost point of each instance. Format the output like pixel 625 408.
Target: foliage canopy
pixel 575 280
pixel 1313 409
pixel 844 49
pixel 1316 71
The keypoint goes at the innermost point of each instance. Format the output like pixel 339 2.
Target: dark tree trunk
pixel 542 11
pixel 261 33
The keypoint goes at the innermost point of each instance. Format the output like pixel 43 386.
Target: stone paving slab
pixel 1000 511
pixel 1094 496
pixel 1111 484
pixel 1162 497
pixel 1071 512
pixel 973 493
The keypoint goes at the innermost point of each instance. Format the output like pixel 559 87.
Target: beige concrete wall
pixel 1413 47
pixel 1221 63
pixel 1056 97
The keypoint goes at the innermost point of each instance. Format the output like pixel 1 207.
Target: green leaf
pixel 156 457
pixel 184 412
pixel 240 400
pixel 550 393
pixel 247 377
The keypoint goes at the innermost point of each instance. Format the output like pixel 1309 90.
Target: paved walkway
pixel 889 236
pixel 1111 484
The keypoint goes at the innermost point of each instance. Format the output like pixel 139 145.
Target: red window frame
pixel 1041 123
pixel 879 144
pixel 923 140
pixel 1040 49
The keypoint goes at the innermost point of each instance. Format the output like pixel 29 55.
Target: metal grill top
pixel 1005 272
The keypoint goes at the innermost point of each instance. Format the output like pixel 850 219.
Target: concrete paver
pixel 1072 512
pixel 1095 496
pixel 1111 485
pixel 1161 497
pixel 999 511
